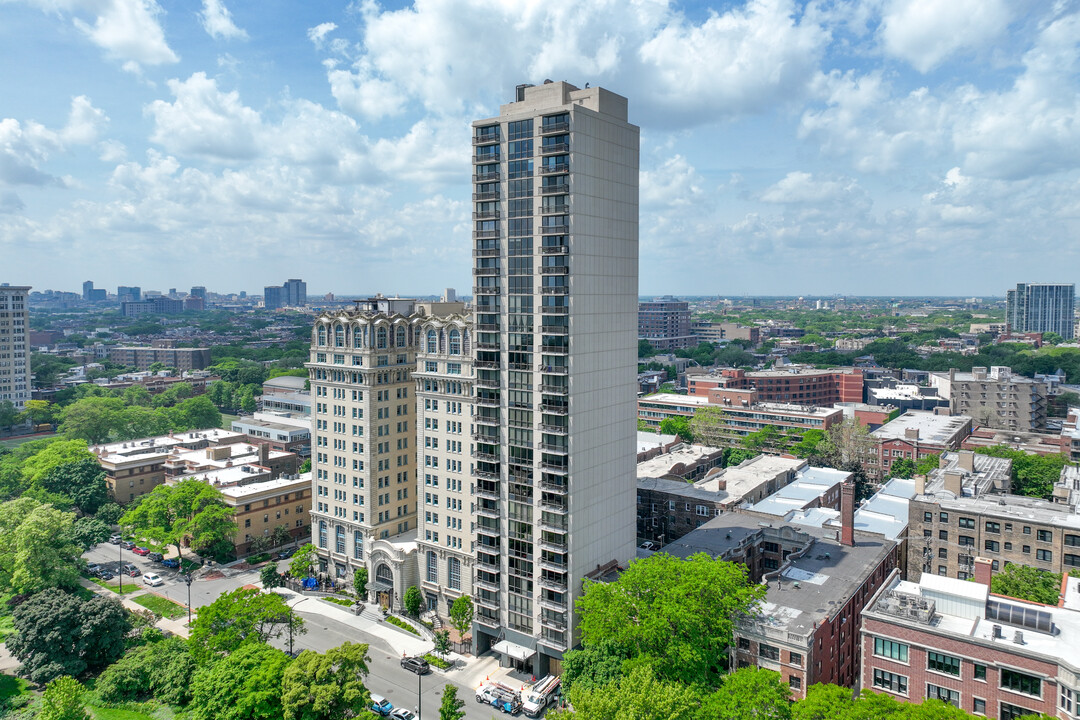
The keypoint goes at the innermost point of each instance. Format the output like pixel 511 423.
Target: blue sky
pixel 831 146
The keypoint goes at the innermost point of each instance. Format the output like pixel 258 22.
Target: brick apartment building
pixel 665 323
pixel 818 583
pixel 797 386
pixel 720 332
pixel 913 436
pixel 143 357
pixel 964 510
pixel 996 397
pixel 987 654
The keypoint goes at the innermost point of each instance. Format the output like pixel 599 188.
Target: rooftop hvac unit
pixel 995 632
pixel 1018 637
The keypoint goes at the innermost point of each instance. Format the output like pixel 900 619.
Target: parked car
pixel 105 575
pixel 170 563
pixel 115 539
pixel 93 568
pixel 285 554
pixel 153 579
pixel 417 665
pixel 155 557
pixel 649 545
pixel 140 550
pixel 403 714
pixel 381 705
pixel 127 544
pixel 130 570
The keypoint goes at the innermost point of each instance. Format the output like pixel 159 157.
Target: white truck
pixel 537 698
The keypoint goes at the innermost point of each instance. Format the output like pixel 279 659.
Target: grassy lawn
pixel 11 686
pixel 99 713
pixel 129 587
pixel 161 606
pixel 12 443
pixel 226 421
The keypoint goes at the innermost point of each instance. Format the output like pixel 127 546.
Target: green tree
pixel 37 550
pixel 63 700
pixel 41 411
pixel 927 464
pixel 359 582
pixel 593 666
pixel 639 695
pixel 643 426
pixel 304 561
pixel 709 426
pixel 82 480
pixel 305 467
pixel 93 419
pixel 49 455
pixel 461 615
pixel 57 633
pixel 137 395
pixel 1027 583
pixel 245 685
pixel 413 600
pixel 109 513
pixel 270 576
pixel 679 426
pixel 240 617
pixel 8 414
pixel 442 642
pixel 280 536
pixel 197 413
pixel 750 692
pixel 813 446
pixel 247 399
pixel 451 707
pixel 671 613
pixel 645 349
pixel 1032 475
pixel 86 532
pixel 162 670
pixel 1052 338
pixel 903 468
pixel 328 686
pixel 190 509
pixel 767 438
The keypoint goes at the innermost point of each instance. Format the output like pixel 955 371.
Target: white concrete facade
pixel 14 352
pixel 556 248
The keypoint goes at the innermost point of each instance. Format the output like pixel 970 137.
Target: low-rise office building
pixel 143 357
pixel 951 640
pixel 720 332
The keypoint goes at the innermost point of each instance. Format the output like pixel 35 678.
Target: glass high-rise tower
pixel 556 266
pixel 1041 307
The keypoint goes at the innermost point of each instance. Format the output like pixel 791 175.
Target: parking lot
pixel 210 582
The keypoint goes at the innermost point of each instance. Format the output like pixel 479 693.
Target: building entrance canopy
pixel 517 652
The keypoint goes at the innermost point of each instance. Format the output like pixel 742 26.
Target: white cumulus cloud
pixel 218 23
pixel 923 33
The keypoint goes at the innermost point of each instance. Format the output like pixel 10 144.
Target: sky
pixel 866 147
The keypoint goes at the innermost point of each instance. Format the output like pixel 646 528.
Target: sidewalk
pixel 176 627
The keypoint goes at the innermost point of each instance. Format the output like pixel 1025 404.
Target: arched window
pixel 383 574
pixel 322 533
pixel 358 545
pixel 322 335
pixel 381 339
pixel 339 539
pixel 339 336
pixel 455 342
pixel 400 341
pixel 432 342
pixel 357 336
pixel 453 571
pixel 432 567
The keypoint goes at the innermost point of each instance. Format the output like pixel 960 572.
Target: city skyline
pixel 855 148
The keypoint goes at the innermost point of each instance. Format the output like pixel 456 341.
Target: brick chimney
pixel 847 514
pixel 984 570
pixel 264 454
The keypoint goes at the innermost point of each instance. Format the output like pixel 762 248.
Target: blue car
pixel 380 705
pixel 170 563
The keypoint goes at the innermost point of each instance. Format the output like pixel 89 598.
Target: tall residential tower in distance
pixel 15 362
pixel 556 265
pixel 1038 308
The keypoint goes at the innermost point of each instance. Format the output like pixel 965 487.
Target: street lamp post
pixel 419 698
pixel 120 570
pixel 188 579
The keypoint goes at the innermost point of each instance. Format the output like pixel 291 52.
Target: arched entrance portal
pixel 384 585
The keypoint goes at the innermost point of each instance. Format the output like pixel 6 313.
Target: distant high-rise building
pixel 665 323
pixel 125 293
pixel 556 266
pixel 295 292
pixel 1041 307
pixel 273 297
pixel 14 323
pixel 198 291
pixel 87 290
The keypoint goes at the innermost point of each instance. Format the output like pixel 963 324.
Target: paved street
pixel 327 626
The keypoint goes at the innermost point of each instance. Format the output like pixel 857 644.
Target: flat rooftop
pixel 750 474
pixel 649 440
pixel 166 443
pixel 680 488
pixel 810 484
pixel 989 474
pixel 661 465
pixel 937 429
pixel 958 608
pixel 808 589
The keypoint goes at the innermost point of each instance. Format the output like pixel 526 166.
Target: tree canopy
pixel 672 614
pixel 1027 583
pixel 38 549
pixel 244 685
pixel 326 686
pixel 240 617
pixel 190 509
pixel 1032 475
